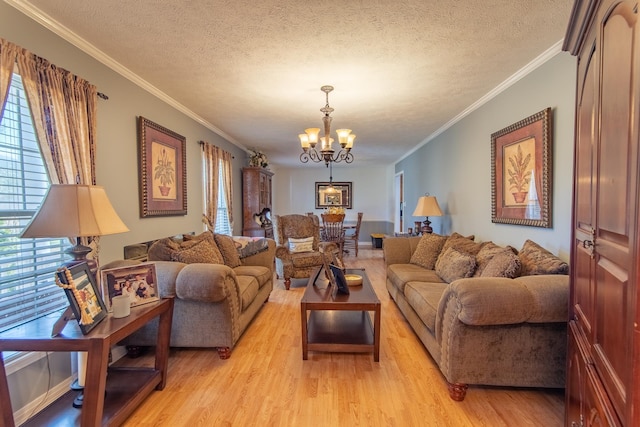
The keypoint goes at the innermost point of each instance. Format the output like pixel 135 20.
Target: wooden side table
pixel 125 388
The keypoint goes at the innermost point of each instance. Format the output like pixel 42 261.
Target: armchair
pixel 296 263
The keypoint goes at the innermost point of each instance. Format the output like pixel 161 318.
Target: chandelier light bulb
pixel 343 136
pixel 350 141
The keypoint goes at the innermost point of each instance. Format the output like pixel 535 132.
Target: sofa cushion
pixel 199 250
pixel 453 264
pixel 462 243
pixel 504 264
pixel 227 248
pixel 262 274
pixel 537 260
pixel 401 274
pixel 424 298
pixel 427 251
pixel 248 289
pixel 300 245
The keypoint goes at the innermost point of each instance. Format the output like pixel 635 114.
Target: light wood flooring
pixel 266 382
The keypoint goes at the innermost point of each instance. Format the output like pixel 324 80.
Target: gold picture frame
pixel 521 177
pixel 163 170
pixel 341 197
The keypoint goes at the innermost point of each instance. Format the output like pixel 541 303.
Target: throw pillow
pixel 537 260
pixel 200 250
pixel 253 247
pixel 427 251
pixel 504 264
pixel 300 245
pixel 453 264
pixel 162 249
pixel 486 254
pixel 228 250
pixel 461 243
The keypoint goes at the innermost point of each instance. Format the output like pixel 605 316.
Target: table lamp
pixel 75 210
pixel 427 206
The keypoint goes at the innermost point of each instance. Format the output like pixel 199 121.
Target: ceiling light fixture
pixel 309 140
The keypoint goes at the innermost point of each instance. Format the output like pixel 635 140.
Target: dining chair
pixel 333 230
pixel 351 238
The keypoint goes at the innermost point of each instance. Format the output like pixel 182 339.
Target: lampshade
pixel 72 210
pixel 427 206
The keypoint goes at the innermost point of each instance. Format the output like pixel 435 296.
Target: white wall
pixel 294 189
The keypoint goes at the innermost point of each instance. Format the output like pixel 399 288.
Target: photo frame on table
pixel 84 297
pixel 139 281
pixel 521 178
pixel 339 280
pixel 162 170
pixel 341 197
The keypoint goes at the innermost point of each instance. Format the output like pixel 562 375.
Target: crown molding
pixel 56 27
pixel 514 78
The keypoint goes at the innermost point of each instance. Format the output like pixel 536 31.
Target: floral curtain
pixel 63 108
pixel 213 159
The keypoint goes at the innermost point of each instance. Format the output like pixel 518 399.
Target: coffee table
pixel 340 323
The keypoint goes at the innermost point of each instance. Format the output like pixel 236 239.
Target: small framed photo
pixel 84 298
pixel 138 281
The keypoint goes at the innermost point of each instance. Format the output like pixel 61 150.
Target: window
pixel 223 226
pixel 27 266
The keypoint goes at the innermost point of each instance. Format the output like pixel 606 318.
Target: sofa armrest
pixel 482 301
pixel 206 282
pixel 396 250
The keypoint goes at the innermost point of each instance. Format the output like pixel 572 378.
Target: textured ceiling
pixel 253 69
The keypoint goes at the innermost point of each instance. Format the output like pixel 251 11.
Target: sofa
pixel 487 315
pixel 218 289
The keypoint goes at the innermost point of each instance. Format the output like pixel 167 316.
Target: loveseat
pixel 487 315
pixel 217 293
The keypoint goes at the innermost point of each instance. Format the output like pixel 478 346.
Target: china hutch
pixel 256 202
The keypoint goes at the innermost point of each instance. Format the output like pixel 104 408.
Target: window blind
pixel 27 285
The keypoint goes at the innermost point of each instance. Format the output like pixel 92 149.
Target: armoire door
pixel 603 288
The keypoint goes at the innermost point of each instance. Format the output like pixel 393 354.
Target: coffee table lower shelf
pixel 340 331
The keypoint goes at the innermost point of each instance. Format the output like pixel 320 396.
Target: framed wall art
pixel 84 298
pixel 521 178
pixel 163 170
pixel 338 196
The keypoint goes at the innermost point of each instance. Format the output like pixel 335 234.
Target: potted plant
pixel 519 175
pixel 164 172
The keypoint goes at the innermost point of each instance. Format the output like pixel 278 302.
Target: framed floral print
pixel 163 170
pixel 521 172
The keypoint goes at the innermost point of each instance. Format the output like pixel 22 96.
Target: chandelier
pixel 309 140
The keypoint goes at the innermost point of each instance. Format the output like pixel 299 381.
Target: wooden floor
pixel 266 382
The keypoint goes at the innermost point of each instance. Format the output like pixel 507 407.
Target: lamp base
pixel 426 226
pixel 79 253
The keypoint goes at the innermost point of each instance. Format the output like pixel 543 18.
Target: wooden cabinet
pixel 603 382
pixel 256 202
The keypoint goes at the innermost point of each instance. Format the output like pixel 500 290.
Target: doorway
pixel 398 191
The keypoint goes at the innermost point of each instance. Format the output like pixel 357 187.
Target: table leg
pixel 95 383
pixel 305 338
pixel 162 345
pixel 5 397
pixel 376 334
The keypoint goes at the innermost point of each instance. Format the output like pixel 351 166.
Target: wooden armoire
pixel 256 202
pixel 603 373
